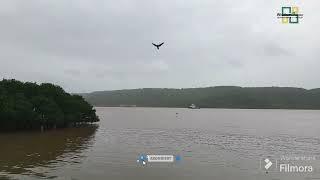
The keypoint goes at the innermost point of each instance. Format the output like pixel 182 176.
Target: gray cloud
pixel 72 72
pixel 276 50
pixel 92 45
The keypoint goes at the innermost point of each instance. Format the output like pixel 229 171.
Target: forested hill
pixel 32 106
pixel 211 97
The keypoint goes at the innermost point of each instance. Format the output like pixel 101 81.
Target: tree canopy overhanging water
pixel 32 106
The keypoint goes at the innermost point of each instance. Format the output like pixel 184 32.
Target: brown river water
pixel 212 143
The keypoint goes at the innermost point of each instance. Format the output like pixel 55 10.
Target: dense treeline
pixel 211 97
pixel 31 106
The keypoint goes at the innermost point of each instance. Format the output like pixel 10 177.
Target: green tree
pixel 31 106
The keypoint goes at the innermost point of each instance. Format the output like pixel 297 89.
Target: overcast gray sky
pixel 89 45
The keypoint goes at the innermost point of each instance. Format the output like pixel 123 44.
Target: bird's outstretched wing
pixel 157 45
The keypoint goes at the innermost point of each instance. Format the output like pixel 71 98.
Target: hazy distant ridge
pixel 215 97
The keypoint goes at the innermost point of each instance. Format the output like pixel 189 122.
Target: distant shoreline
pixel 207 108
pixel 228 97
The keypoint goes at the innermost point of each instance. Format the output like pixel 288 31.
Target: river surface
pixel 212 143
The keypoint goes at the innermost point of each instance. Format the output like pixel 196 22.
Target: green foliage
pixel 30 106
pixel 211 97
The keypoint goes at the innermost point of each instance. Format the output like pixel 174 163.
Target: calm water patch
pixel 213 144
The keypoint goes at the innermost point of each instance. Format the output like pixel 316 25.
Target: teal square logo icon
pixel 294 19
pixel 286 10
pixel 290 15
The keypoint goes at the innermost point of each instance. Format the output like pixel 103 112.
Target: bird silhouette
pixel 158 45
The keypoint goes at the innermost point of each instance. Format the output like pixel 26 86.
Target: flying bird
pixel 158 45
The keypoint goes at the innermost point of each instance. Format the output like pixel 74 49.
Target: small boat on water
pixel 193 106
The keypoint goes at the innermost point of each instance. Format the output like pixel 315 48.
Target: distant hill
pixel 211 97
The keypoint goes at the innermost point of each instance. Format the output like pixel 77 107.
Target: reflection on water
pixel 25 153
pixel 213 143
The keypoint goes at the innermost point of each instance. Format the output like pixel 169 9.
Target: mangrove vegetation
pixel 28 105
